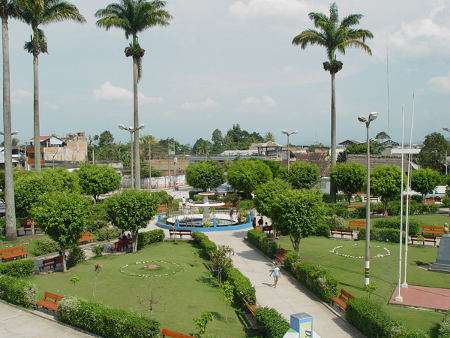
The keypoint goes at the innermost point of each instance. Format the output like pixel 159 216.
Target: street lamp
pixel 372 117
pixel 288 133
pixel 446 152
pixel 131 130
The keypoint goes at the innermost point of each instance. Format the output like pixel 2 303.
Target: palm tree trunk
pixel 333 132
pixel 37 141
pixel 10 212
pixel 137 157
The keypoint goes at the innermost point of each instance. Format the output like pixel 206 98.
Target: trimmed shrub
pixel 105 321
pixel 336 222
pixel 372 319
pixel 262 242
pixel 323 230
pixel 204 243
pixel 150 237
pixel 270 323
pixel 338 209
pixel 444 328
pixel 394 223
pixel 20 268
pixel 316 279
pixel 76 255
pixel 98 250
pixel 17 291
pixel 415 208
pixel 382 235
pixel 106 233
pixel 243 288
pixel 43 246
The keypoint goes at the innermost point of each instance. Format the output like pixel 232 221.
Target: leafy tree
pixel 96 180
pixel 335 36
pixel 245 175
pixel 361 148
pixel 205 175
pixel 266 194
pixel 37 14
pixel 63 216
pixel 382 135
pixel 134 17
pixel 217 140
pixel 302 175
pixel 385 182
pixel 432 155
pixel 8 9
pixel 349 178
pixel 275 167
pixel 202 147
pixel 221 260
pixel 425 180
pixel 298 213
pixel 269 137
pixel 237 138
pixel 105 139
pixel 131 210
pixel 62 180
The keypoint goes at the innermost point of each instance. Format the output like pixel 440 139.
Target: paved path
pixel 16 323
pixel 289 297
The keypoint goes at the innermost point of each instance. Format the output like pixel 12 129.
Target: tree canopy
pixel 385 183
pixel 96 180
pixel 245 175
pixel 302 175
pixel 266 194
pixel 205 175
pixel 432 155
pixel 63 216
pixel 425 180
pixel 349 178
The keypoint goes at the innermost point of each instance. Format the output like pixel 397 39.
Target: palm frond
pixel 351 20
pixel 319 19
pixel 309 37
pixel 334 13
pixel 354 43
pixel 362 34
pixel 57 10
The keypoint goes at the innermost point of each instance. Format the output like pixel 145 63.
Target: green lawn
pixel 185 293
pixel 21 241
pixel 384 272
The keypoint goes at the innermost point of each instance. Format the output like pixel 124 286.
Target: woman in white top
pixel 276 274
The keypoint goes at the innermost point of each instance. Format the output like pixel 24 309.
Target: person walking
pixel 261 222
pixel 254 222
pixel 275 274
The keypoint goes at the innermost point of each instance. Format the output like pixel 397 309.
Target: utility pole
pixel 288 134
pixel 150 164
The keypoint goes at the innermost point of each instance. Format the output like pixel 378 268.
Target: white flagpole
pixel 408 190
pixel 399 297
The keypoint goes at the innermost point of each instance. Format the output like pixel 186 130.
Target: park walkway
pixel 289 297
pixel 17 323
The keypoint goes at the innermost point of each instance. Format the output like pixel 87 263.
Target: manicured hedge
pixel 43 246
pixel 372 320
pixel 415 208
pixel 262 242
pixel 243 288
pixel 20 268
pixel 204 243
pixel 444 328
pixel 382 235
pixel 314 277
pixel 270 323
pixel 105 321
pixel 394 223
pixel 150 237
pixel 17 291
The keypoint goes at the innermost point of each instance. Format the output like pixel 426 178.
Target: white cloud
pixel 440 84
pixel 271 8
pixel 109 92
pixel 21 95
pixel 263 103
pixel 424 36
pixel 206 104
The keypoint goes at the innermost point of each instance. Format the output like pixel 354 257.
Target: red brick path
pixel 420 296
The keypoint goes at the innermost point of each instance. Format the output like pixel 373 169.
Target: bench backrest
pixel 357 223
pixel 169 333
pixel 13 250
pixel 345 295
pixel 53 297
pixel 433 229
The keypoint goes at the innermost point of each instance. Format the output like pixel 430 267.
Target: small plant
pixel 43 246
pixel 97 270
pixel 74 280
pixel 228 292
pixel 201 323
pixel 98 250
pixel 221 260
pixel 370 289
pixel 76 255
pixel 149 301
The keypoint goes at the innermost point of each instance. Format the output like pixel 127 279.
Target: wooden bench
pixel 9 254
pixel 50 301
pixel 342 300
pixel 357 224
pixel 342 232
pixel 169 333
pixel 51 262
pixel 86 237
pixel 280 256
pixel 250 307
pixel 180 233
pixel 432 230
pixel 424 239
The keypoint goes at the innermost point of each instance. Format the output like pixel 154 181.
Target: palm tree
pixel 133 17
pixel 37 13
pixel 336 36
pixel 8 10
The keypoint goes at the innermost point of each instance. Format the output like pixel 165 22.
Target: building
pixel 346 143
pixel 268 149
pixel 71 148
pixel 18 157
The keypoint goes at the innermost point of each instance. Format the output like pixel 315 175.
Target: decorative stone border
pixel 335 251
pixel 178 268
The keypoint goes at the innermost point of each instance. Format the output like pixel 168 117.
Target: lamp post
pixel 367 121
pixel 131 130
pixel 446 152
pixel 288 134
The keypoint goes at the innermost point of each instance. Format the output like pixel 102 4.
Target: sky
pixel 231 61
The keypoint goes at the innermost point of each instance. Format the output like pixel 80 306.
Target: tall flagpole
pixel 399 297
pixel 408 190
